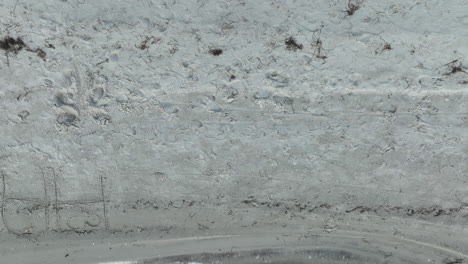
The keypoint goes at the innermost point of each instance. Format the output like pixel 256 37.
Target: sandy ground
pixel 181 118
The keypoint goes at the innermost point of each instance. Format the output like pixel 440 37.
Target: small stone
pixel 465 201
pixel 390 109
pixel 67 119
pixel 23 114
pixel 122 98
pixel 279 79
pixel 282 100
pixel 262 94
pixel 213 106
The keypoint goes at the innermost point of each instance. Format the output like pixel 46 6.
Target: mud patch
pixel 15 45
pixel 292 45
pixel 12 45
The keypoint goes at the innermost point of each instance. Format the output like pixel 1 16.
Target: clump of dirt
pixel 216 52
pixel 13 45
pixel 386 47
pixel 291 44
pixel 454 67
pixel 41 53
pixel 145 44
